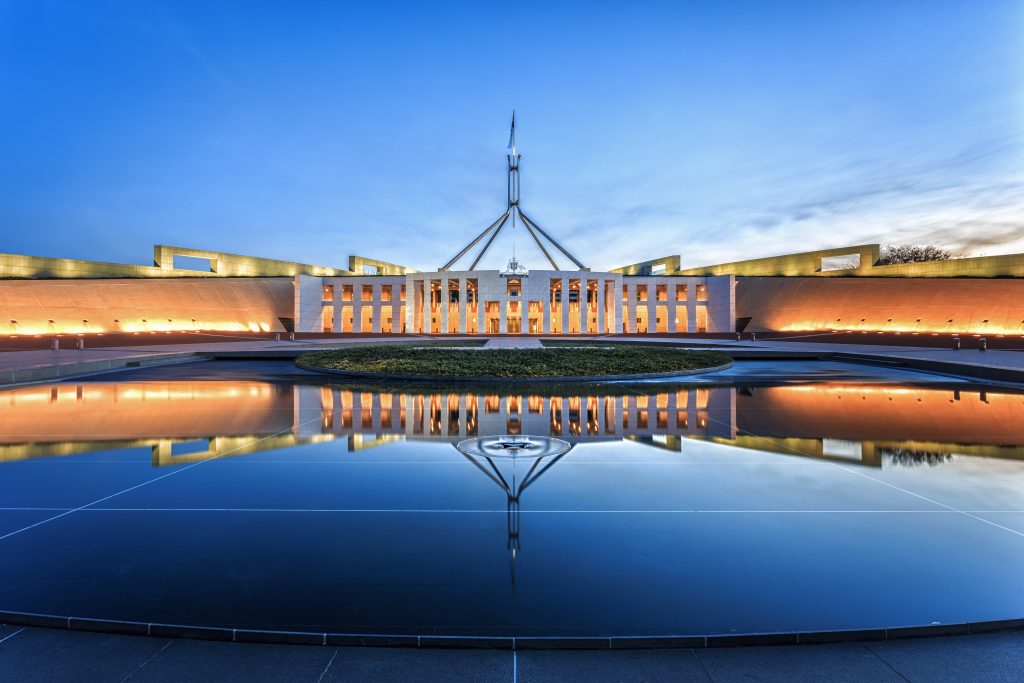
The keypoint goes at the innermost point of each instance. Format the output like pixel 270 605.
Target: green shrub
pixel 544 362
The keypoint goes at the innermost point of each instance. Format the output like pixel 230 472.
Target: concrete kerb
pixel 647 642
pixel 35 374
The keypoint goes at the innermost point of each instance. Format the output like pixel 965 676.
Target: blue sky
pixel 309 131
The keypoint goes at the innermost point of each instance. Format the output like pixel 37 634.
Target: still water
pixel 762 499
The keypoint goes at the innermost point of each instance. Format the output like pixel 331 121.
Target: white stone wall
pixel 308 307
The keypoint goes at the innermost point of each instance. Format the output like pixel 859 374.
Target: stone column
pixel 652 307
pixel 565 305
pixel 336 303
pixel 427 293
pixel 546 316
pixel 629 324
pixel 377 306
pixel 445 302
pixel 463 304
pixel 410 303
pixel 583 305
pixel 671 307
pixel 357 308
pixel 600 306
pixel 503 314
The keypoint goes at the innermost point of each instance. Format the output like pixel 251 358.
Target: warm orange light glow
pixel 898 328
pixel 135 327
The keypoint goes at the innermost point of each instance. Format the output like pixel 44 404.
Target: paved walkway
pixel 37 654
pixel 19 367
pixel 1008 363
pixel 513 343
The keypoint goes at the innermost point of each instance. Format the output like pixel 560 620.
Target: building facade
pixel 62 296
pixel 834 289
pixel 522 303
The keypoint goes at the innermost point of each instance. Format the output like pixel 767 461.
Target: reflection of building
pixel 862 423
pixel 456 416
pixel 214 290
pixel 189 421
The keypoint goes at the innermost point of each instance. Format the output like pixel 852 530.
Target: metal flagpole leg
pixel 474 242
pixel 537 240
pixel 549 238
pixel 487 245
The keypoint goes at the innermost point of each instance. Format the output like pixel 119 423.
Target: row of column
pixel 614 416
pixel 376 304
pixel 582 315
pixel 632 305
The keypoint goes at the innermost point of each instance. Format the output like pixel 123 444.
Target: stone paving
pixel 38 654
pixel 513 343
pixel 18 367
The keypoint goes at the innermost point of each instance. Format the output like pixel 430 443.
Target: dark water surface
pixel 771 497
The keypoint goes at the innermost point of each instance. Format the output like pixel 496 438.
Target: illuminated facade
pixel 490 302
pixel 198 290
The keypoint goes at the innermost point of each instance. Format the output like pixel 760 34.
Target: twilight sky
pixel 309 131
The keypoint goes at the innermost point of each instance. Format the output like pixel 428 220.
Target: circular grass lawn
pixel 563 362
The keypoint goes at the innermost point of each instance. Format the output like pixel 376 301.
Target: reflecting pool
pixel 757 500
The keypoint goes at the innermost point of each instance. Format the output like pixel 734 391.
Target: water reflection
pixel 612 538
pixel 185 422
pixel 504 471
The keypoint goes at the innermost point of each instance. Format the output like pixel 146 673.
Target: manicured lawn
pixel 545 362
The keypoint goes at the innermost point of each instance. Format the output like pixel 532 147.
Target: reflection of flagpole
pixel 513 489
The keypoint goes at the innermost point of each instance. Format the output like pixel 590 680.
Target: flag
pixel 512 135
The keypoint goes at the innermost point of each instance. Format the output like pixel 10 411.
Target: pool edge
pixel 646 642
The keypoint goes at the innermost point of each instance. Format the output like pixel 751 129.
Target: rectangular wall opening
pixel 203 265
pixel 841 262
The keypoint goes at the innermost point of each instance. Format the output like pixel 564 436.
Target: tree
pixel 912 253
